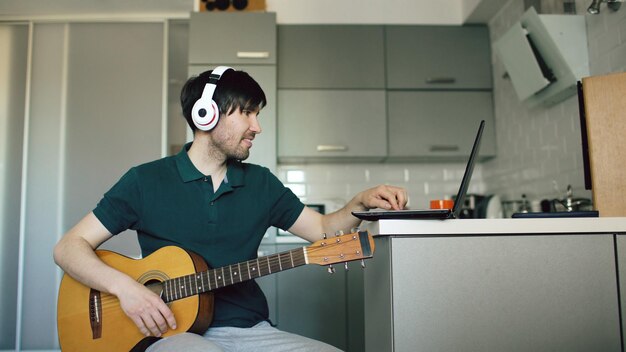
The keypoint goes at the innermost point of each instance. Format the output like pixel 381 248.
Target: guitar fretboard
pixel 212 279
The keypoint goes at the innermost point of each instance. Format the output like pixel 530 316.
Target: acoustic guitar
pixel 90 320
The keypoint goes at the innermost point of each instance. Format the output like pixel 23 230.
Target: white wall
pixel 367 11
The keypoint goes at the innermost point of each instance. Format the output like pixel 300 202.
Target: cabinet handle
pixel 253 54
pixel 332 148
pixel 444 148
pixel 441 80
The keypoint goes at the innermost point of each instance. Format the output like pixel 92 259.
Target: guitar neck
pixel 212 279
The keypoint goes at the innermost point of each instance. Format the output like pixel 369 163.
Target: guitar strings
pixel 265 264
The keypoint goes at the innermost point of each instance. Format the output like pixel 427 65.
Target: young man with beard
pixel 206 200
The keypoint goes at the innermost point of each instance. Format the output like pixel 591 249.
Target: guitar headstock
pixel 339 249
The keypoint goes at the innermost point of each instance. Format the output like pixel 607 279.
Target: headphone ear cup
pixel 205 114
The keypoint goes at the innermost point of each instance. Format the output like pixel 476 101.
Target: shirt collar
pixel 188 172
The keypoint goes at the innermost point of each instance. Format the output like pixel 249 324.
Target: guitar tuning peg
pixel 345 265
pixel 331 269
pixel 354 230
pixel 362 263
pixel 324 236
pixel 338 233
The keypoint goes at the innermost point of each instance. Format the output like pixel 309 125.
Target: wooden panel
pixel 605 109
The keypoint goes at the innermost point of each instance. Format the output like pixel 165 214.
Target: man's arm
pixel 310 225
pixel 75 255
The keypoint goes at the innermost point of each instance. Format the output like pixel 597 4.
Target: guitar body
pixel 89 320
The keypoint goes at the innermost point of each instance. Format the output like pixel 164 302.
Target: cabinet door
pixel 331 124
pixel 438 57
pixel 439 124
pixel 331 56
pixel 232 38
pixel 312 302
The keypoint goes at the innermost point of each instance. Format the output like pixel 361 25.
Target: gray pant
pixel 261 337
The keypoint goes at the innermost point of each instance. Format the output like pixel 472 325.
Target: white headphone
pixel 205 113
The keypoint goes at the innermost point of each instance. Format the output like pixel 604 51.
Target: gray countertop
pixel 495 226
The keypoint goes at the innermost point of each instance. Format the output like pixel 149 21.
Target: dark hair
pixel 235 90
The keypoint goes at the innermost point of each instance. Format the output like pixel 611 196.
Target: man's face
pixel 234 133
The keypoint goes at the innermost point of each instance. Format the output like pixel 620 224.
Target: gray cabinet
pixel 439 124
pixel 331 93
pixel 331 56
pixel 368 93
pixel 493 293
pixel 309 301
pixel 312 302
pixel 331 124
pixel 439 88
pixel 232 38
pixel 438 57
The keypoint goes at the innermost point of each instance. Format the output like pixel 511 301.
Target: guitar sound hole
pixel 155 286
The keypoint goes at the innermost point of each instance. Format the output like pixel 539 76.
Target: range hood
pixel 544 56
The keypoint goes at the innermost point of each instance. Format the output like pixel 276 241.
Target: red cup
pixel 441 204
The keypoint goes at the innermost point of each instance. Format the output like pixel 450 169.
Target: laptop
pixel 441 214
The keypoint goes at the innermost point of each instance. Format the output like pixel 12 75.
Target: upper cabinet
pixel 438 57
pixel 331 93
pixel 331 56
pixel 368 92
pixel 433 125
pixel 232 38
pixel 327 125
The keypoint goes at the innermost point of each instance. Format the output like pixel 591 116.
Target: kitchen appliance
pixel 482 207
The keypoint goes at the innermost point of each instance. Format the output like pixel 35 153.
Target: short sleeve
pixel 118 210
pixel 285 207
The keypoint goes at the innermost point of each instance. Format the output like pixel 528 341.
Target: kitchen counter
pixel 495 226
pixel 495 285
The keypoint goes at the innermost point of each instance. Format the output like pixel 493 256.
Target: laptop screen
pixel 467 176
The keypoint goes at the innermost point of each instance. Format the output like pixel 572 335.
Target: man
pixel 207 201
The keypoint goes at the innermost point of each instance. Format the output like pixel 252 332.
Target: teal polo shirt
pixel 170 202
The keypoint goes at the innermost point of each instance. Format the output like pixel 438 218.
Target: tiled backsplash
pixel 340 182
pixel 538 150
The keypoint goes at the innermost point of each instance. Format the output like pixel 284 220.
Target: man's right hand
pixel 146 309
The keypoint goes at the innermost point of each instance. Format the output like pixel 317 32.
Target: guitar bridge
pixel 95 313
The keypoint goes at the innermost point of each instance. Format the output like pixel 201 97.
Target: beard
pixel 230 147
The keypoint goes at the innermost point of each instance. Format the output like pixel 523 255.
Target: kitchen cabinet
pixel 331 125
pixel 232 38
pixel 331 93
pixel 485 285
pixel 438 57
pixel 331 56
pixel 439 124
pixel 311 302
pixel 418 89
